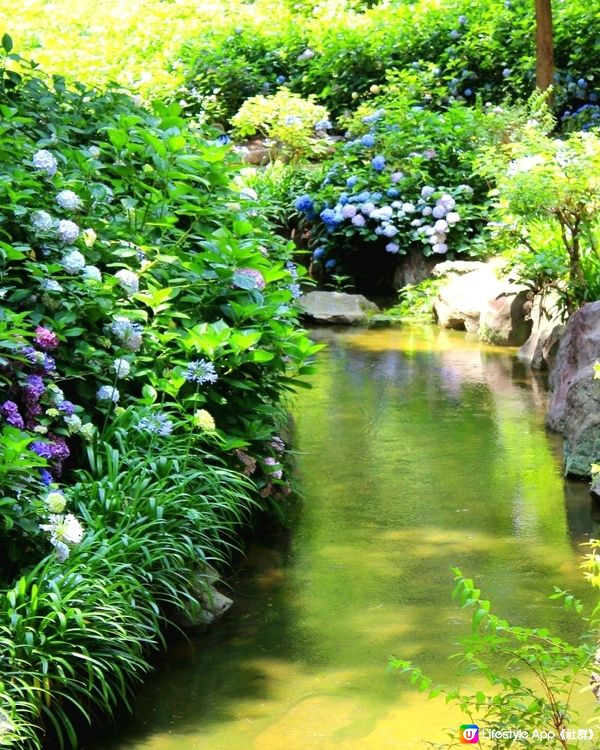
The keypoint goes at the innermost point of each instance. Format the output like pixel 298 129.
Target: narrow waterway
pixel 419 451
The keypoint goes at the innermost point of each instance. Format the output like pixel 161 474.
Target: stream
pixel 419 451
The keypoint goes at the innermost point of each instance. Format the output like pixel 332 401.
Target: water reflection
pixel 420 451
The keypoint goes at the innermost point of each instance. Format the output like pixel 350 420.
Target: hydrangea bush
pixel 147 329
pixel 402 181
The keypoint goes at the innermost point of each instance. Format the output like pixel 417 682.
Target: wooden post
pixel 544 44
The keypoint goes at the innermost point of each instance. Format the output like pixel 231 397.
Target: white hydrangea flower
pixel 440 247
pixel 67 231
pixel 73 422
pixel 122 367
pixel 73 262
pixel 94 152
pixel 108 393
pixel 128 280
pixel 41 221
pixel 453 217
pixel 68 200
pixel 44 161
pixel 50 285
pixel 55 502
pixel 408 208
pixel 87 431
pixel 92 273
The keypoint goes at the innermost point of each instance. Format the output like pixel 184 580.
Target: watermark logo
pixel 469 734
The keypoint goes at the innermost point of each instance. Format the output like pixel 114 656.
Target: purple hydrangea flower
pixel 392 247
pixel 10 412
pixel 45 339
pixel 67 408
pixel 42 449
pixel 359 220
pixel 349 211
pixel 252 273
pixel 35 388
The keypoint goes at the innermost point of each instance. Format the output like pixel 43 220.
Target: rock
pixel 579 348
pixel 582 425
pixel 506 319
pixel 457 267
pixel 574 395
pixel 412 268
pixel 539 351
pixel 337 308
pixel 208 604
pixel 460 301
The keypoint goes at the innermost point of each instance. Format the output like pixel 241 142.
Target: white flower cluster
pixel 41 221
pixel 68 200
pixel 44 161
pixel 67 231
pixel 128 280
pixel 108 393
pixel 64 530
pixel 73 262
pixel 122 367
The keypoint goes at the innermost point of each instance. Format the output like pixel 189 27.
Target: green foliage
pixel 416 300
pixel 532 673
pixel 147 325
pixel 548 199
pixel 292 124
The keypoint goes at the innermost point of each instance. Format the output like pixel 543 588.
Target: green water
pixel 419 451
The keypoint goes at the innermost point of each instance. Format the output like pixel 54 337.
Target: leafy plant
pixel 532 673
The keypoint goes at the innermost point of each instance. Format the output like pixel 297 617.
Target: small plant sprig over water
pixel 540 671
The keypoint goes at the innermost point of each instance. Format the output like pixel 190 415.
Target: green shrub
pixel 148 323
pixel 294 126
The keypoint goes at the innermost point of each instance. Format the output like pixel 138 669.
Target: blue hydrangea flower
pixel 328 216
pixel 280 80
pixel 378 163
pixel 201 371
pixel 304 203
pixel 390 230
pixel 330 265
pixel 108 393
pixel 318 253
pixel 44 161
pixel 368 140
pixel 343 198
pixel 393 193
pixel 351 181
pixel 392 247
pixel 323 125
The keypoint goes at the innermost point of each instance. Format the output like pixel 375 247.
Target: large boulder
pixel 337 308
pixel 460 300
pixel 574 396
pixel 506 319
pixel 480 298
pixel 412 268
pixel 540 349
